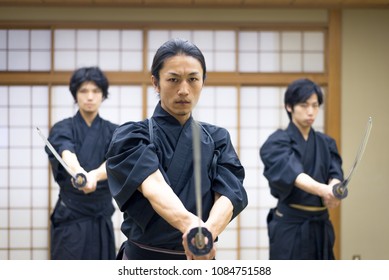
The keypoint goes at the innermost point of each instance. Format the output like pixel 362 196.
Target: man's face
pixel 180 85
pixel 89 97
pixel 304 113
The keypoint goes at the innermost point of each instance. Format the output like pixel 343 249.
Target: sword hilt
pixel 340 190
pixel 79 181
pixel 199 247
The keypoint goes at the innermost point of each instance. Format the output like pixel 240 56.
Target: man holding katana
pixel 151 167
pixel 302 166
pixel 81 225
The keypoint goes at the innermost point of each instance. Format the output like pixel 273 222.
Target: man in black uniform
pixel 150 165
pixel 301 166
pixel 81 221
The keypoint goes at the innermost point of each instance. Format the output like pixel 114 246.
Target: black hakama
pixel 298 234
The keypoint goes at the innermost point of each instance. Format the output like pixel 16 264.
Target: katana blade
pixel 200 247
pixel 340 190
pixel 79 179
pixel 197 168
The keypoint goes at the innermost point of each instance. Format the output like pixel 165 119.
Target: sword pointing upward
pixel 340 190
pixel 199 247
pixel 78 179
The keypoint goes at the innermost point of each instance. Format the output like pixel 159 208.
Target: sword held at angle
pixel 340 190
pixel 78 179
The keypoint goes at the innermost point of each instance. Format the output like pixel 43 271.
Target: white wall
pixel 365 92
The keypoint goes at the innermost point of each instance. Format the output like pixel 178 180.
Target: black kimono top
pixel 132 157
pixel 90 144
pixel 286 154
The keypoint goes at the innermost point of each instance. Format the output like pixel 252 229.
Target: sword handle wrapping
pixel 340 190
pixel 79 181
pixel 199 247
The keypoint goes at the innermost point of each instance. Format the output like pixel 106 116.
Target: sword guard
pixel 199 247
pixel 80 181
pixel 340 190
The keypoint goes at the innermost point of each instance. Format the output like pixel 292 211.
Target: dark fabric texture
pixel 132 157
pixel 286 154
pixel 300 235
pixel 296 234
pixel 81 223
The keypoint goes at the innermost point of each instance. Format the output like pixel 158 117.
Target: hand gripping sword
pixel 340 190
pixel 78 179
pixel 199 247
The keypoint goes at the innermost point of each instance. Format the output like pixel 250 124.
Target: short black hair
pixel 90 74
pixel 300 91
pixel 175 47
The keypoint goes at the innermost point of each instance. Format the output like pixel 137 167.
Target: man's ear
pixel 289 108
pixel 155 83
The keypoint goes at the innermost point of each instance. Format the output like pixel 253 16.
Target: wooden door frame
pixel 333 112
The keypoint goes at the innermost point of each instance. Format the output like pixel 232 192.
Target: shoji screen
pixel 24 197
pixel 249 110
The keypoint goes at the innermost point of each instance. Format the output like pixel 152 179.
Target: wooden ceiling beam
pixel 203 3
pixel 131 78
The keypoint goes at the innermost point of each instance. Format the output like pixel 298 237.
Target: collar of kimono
pixel 340 190
pixel 200 246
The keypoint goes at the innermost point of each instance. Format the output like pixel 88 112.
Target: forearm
pixel 71 160
pixel 333 181
pixel 166 203
pixel 220 215
pixel 309 185
pixel 100 172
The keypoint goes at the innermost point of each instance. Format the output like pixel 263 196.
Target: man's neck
pixel 303 130
pixel 88 117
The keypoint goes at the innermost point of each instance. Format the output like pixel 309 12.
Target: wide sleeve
pixel 282 164
pixel 61 138
pixel 229 173
pixel 131 158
